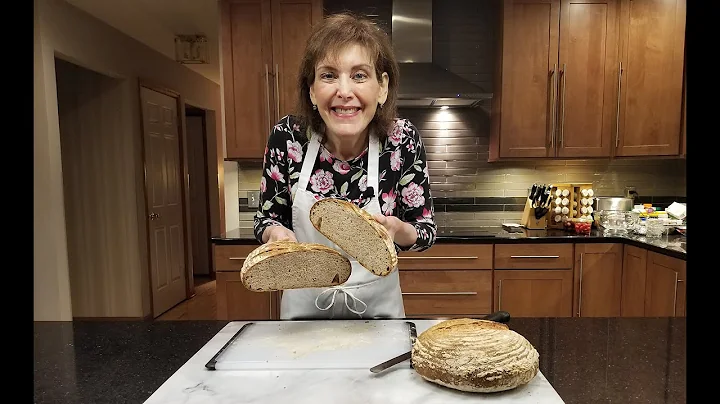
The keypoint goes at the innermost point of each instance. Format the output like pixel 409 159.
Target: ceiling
pixel 156 22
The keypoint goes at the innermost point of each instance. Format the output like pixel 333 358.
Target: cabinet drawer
pixel 534 256
pixel 231 257
pixel 467 292
pixel 448 256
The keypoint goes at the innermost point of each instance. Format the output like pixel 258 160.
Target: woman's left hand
pixel 402 233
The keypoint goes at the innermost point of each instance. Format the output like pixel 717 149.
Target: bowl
pixel 616 222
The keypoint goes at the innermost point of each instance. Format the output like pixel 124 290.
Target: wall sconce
pixel 191 49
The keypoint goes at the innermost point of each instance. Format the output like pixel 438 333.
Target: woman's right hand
pixel 277 233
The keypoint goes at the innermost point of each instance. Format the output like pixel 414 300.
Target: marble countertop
pixel 585 360
pixel 673 245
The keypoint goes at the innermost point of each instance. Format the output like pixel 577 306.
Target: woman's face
pixel 347 92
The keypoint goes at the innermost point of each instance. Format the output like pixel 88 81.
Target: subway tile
pixel 499 200
pixel 450 141
pixel 458 215
pixel 445 133
pixel 453 187
pixel 451 171
pixel 453 156
pixel 466 164
pixel 514 208
pixel 436 164
pixel 480 149
pixel 454 201
pixel 434 150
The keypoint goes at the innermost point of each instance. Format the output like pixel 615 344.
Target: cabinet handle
pixel 562 122
pixel 675 297
pixel 440 293
pixel 617 112
pixel 277 92
pixel 237 258
pixel 267 100
pixel 500 294
pixel 580 291
pixel 438 258
pixel 553 105
pixel 534 256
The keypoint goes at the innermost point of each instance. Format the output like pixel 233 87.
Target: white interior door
pixel 163 174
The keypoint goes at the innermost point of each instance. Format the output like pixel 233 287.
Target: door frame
pixel 189 287
pixel 206 190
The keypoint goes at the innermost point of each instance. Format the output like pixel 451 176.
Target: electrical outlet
pixel 253 198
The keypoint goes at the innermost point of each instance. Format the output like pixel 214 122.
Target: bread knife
pixel 498 316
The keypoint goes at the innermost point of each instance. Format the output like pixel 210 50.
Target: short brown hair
pixel 328 38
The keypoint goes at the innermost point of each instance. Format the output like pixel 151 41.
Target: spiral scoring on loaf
pixel 471 355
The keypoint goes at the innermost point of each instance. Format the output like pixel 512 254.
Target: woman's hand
pixel 277 233
pixel 402 233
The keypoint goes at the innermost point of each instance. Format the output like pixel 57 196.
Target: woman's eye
pixel 360 76
pixel 327 76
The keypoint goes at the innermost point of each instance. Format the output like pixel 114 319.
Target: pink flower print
pixel 341 167
pixel 388 202
pixel 280 154
pixel 326 156
pixel 396 134
pixel 275 174
pixel 395 160
pixel 263 184
pixel 294 151
pixel 321 181
pixel 411 146
pixel 425 217
pixel 362 184
pixel 296 128
pixel 412 195
pixel 273 215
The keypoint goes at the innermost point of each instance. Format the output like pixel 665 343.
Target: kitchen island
pixel 585 360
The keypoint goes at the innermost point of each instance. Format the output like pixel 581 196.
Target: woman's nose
pixel 345 87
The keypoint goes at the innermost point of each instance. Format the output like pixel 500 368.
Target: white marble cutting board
pixel 193 383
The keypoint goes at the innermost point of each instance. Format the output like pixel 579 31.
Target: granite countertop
pixel 673 245
pixel 585 359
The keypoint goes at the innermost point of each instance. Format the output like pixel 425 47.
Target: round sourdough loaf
pixel 474 356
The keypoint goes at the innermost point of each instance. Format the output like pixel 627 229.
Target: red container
pixel 582 226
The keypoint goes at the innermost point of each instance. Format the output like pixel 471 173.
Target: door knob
pixel 154 216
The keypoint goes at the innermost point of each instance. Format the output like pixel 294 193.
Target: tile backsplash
pixel 470 192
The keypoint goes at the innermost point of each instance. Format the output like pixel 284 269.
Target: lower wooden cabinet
pixel 598 280
pixel 654 285
pixel 534 293
pixel 447 293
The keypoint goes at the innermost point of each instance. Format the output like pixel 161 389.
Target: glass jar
pixel 582 226
pixel 617 222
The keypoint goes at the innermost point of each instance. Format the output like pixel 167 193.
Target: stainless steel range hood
pixel 422 82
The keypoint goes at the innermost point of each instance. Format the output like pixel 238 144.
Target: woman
pixel 346 142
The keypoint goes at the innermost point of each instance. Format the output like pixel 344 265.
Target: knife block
pixel 529 221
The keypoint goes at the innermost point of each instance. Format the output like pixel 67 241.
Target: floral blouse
pixel 404 182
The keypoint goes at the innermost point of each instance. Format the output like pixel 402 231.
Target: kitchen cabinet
pixel 558 79
pixel 589 79
pixel 597 285
pixel 653 284
pixel 534 280
pixel 652 43
pixel 447 280
pixel 234 301
pixel 262 42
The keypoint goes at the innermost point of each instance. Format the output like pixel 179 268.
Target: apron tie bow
pixel 334 291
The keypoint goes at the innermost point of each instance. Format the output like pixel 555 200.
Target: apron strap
pixel 309 160
pixel 373 179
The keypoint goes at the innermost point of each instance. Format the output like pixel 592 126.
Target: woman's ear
pixel 384 81
pixel 312 96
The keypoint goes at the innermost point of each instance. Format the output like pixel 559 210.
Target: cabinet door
pixel 292 22
pixel 246 40
pixel 534 293
pixel 529 72
pixel 665 287
pixel 598 280
pixel 589 66
pixel 235 302
pixel 446 293
pixel 652 38
pixel 633 281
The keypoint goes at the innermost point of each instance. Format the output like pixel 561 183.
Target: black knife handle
pixel 498 317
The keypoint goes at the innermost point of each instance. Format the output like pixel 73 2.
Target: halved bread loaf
pixel 285 265
pixel 357 233
pixel 475 356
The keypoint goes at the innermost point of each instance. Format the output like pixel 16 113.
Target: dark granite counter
pixel 672 245
pixel 587 360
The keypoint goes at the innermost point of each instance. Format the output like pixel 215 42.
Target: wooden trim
pixel 189 268
pixel 156 87
pixel 145 318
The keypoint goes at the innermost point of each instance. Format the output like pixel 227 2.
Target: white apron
pixel 364 295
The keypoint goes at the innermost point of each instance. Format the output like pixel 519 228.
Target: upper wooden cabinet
pixel 589 78
pixel 652 43
pixel 261 44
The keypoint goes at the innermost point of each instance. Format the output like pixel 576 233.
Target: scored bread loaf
pixel 356 232
pixel 476 356
pixel 282 265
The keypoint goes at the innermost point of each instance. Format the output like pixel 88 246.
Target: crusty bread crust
pixel 279 266
pixel 366 224
pixel 477 356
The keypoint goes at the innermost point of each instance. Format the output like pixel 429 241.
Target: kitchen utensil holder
pixel 529 221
